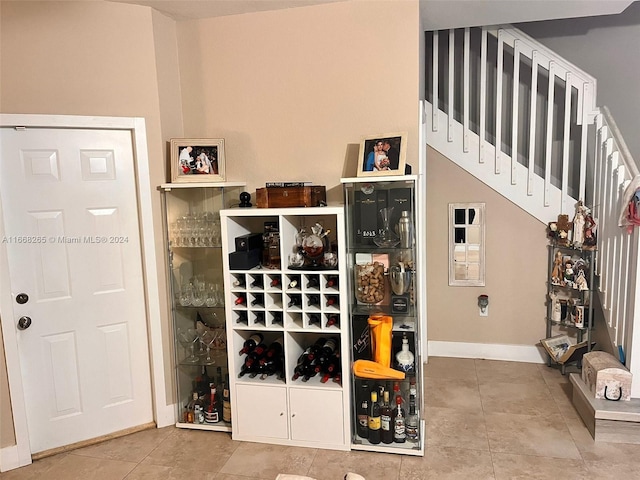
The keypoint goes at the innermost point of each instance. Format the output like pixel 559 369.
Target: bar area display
pixel 288 342
pixel 198 302
pixel 384 313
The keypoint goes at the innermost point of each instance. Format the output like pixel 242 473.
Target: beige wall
pixel 516 265
pixel 86 58
pixel 292 91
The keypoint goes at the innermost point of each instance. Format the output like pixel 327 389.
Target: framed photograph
pixel 197 160
pixel 383 154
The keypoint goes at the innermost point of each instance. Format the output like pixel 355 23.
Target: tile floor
pixel 485 420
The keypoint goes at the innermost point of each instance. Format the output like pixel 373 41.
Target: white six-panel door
pixel 73 244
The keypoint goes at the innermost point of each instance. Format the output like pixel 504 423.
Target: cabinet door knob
pixel 293 415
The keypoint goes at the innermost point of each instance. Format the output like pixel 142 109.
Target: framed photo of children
pixel 383 154
pixel 197 160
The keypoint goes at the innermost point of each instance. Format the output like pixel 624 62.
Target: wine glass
pixel 212 296
pixel 208 339
pixel 199 295
pixel 188 339
pixel 186 294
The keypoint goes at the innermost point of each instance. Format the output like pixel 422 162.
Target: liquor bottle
pixel 226 402
pixel 332 300
pixel 294 301
pixel 240 300
pixel 374 421
pixel 251 342
pixel 275 282
pixel 333 320
pixel 399 425
pixel 202 382
pixel 404 358
pixel 258 300
pixel 362 427
pixel 313 282
pixel 412 422
pixel 195 406
pixel 332 281
pixel 257 282
pixel 386 425
pixel 239 282
pixel 211 415
pixel 313 300
pixel 219 385
pixel 294 282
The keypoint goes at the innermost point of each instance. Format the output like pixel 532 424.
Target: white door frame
pixel 164 415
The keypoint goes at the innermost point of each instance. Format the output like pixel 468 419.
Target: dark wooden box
pixel 277 197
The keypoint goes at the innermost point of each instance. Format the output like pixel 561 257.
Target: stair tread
pixel 606 409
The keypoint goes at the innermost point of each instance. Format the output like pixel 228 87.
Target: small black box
pixel 400 303
pixel 244 260
pixel 249 241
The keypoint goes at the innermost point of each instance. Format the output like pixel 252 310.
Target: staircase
pixel 525 122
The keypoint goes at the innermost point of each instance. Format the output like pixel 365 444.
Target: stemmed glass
pixel 188 339
pixel 208 339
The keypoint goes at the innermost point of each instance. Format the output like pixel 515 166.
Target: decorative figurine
pixel 245 200
pixel 579 222
pixel 557 274
pixel 589 232
pixel 564 227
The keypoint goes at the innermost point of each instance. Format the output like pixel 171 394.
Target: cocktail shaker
pixel 405 230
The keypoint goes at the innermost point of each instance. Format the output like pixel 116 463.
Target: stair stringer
pixel 511 182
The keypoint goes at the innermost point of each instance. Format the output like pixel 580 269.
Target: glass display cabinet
pixel 194 254
pixel 386 304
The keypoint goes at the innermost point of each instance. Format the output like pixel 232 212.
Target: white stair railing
pixel 517 116
pixel 516 107
pixel 618 248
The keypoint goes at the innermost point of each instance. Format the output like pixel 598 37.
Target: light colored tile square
pixel 491 371
pixel 611 470
pixel 520 398
pixel 447 367
pixel 448 427
pixel 545 436
pixel 76 467
pixel 452 393
pixel 529 467
pixel 154 472
pixel 332 465
pixel 262 460
pixel 447 463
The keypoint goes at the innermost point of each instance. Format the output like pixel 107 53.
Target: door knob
pixel 24 323
pixel 22 298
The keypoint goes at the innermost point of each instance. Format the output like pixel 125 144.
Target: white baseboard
pixel 10 459
pixel 488 351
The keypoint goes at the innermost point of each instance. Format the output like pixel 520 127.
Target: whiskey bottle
pixel 374 420
pixel 211 415
pixel 386 424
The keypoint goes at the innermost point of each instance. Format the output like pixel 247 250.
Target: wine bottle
pixel 275 281
pixel 332 300
pixel 331 368
pixel 362 427
pixel 294 282
pixel 333 320
pixel 294 301
pixel 257 282
pixel 300 366
pixel 316 347
pixel 226 402
pixel 311 370
pixel 314 319
pixel 211 415
pixel 399 427
pixel 258 300
pixel 259 317
pixel 240 300
pixel 327 350
pixel 251 342
pixel 276 318
pixel 270 366
pixel 374 421
pixel 386 425
pixel 242 318
pixel 247 367
pixel 275 349
pixel 313 300
pixel 313 282
pixel 239 282
pixel 332 281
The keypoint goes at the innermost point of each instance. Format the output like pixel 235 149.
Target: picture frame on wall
pixel 197 160
pixel 382 155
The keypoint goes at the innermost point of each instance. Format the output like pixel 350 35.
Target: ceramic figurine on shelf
pixel 589 232
pixel 569 274
pixel 581 281
pixel 557 274
pixel 579 222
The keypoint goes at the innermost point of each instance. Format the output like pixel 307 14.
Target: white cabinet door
pixel 316 415
pixel 263 412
